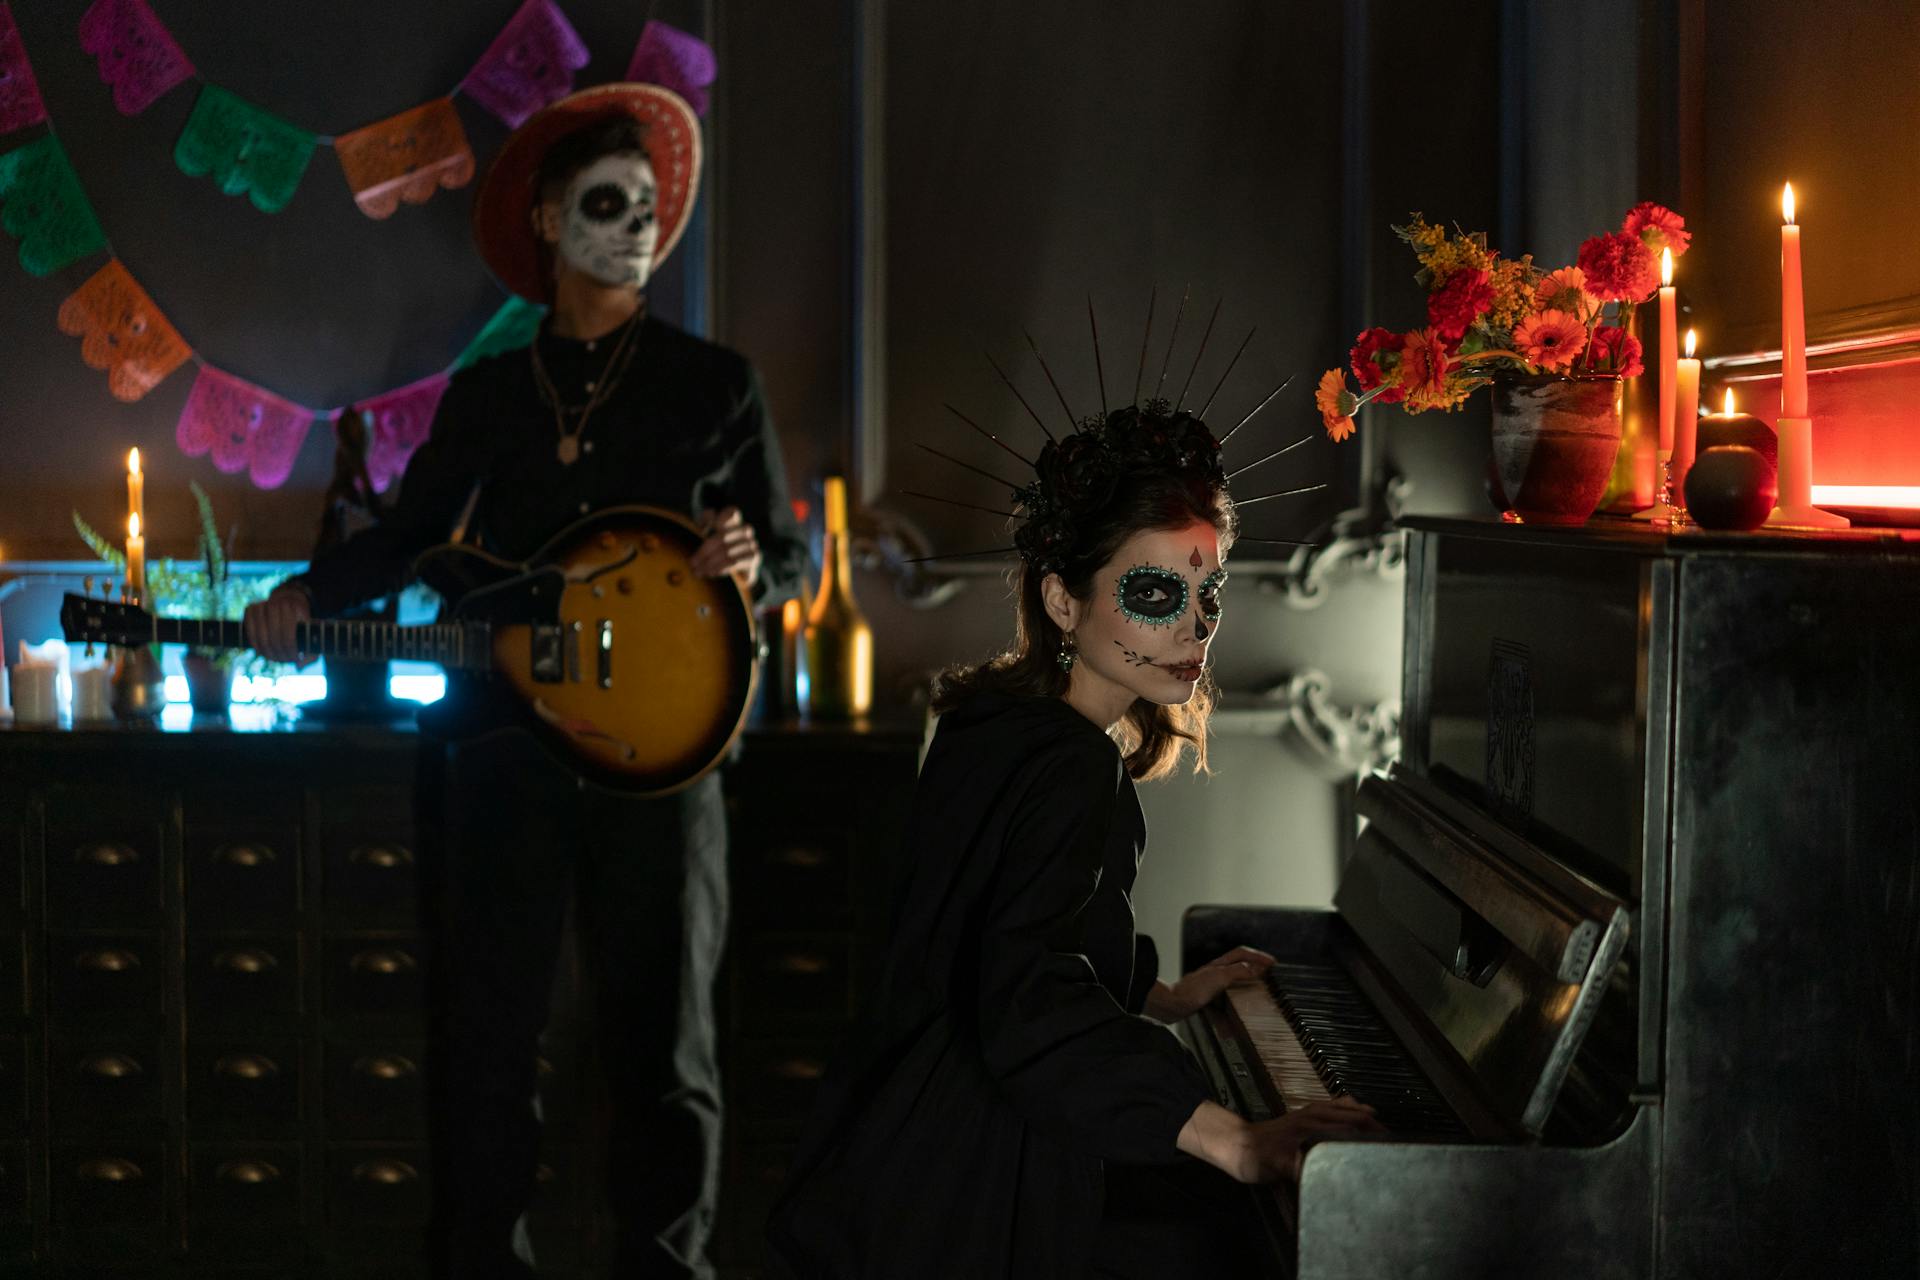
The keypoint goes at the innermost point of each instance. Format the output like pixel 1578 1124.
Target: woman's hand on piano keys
pixel 1272 1150
pixel 1192 993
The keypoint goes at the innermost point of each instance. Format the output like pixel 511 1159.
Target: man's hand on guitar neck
pixel 730 546
pixel 269 626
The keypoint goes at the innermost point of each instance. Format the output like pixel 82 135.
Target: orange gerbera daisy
pixel 1565 290
pixel 1424 362
pixel 1550 339
pixel 1336 403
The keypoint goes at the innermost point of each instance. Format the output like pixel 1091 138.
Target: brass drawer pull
pixel 803 963
pixel 247 1066
pixel 798 856
pixel 391 1173
pixel 110 1066
pixel 245 960
pixel 798 1069
pixel 110 1169
pixel 243 854
pixel 107 960
pixel 107 853
pixel 384 857
pixel 382 960
pixel 384 1066
pixel 251 1172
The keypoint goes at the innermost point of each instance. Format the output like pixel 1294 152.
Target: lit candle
pixel 1793 317
pixel 136 559
pixel 1669 353
pixel 136 486
pixel 1686 413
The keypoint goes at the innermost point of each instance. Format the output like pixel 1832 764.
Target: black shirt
pixel 1003 1058
pixel 686 428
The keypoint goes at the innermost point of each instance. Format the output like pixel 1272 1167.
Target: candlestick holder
pixel 139 689
pixel 1795 459
pixel 1663 511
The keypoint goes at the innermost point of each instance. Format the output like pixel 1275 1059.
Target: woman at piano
pixel 1012 1103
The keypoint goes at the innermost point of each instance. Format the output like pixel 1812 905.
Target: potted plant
pixel 199 588
pixel 1555 347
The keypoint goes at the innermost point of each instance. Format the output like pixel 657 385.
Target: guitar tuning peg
pixel 89 649
pixel 86 585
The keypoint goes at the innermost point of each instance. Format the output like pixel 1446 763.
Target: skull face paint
pixel 1148 624
pixel 610 228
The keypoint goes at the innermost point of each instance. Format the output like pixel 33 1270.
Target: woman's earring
pixel 1069 650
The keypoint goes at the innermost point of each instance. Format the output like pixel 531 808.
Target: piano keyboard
pixel 1318 1037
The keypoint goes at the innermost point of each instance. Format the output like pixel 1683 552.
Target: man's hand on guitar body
pixel 270 625
pixel 730 546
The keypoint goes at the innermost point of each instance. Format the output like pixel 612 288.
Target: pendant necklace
pixel 598 391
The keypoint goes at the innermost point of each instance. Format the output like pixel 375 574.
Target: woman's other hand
pixel 1272 1150
pixel 1189 995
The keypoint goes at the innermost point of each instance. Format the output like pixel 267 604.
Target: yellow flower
pixel 1512 294
pixel 1336 403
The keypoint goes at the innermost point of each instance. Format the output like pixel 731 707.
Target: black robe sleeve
pixel 1069 1058
pixel 439 478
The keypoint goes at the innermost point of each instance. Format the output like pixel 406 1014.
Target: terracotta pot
pixel 1554 442
pixel 1731 486
pixel 209 685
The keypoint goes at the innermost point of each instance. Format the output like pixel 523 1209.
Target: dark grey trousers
pixel 649 884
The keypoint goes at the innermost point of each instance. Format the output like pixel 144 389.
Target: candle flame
pixel 1690 342
pixel 133 462
pixel 1786 202
pixel 1666 266
pixel 133 525
pixel 1729 402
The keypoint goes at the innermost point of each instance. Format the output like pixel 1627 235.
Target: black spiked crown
pixel 1077 474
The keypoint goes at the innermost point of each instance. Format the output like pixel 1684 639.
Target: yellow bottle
pixel 839 642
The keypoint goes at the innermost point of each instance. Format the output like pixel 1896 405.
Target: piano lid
pixel 1490 959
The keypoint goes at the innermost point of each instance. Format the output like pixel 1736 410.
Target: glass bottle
pixel 839 643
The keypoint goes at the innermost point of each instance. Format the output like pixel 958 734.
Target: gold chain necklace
pixel 598 390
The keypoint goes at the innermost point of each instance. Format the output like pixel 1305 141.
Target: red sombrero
pixel 502 207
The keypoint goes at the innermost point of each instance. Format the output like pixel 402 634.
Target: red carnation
pixel 1455 305
pixel 1615 350
pixel 1371 375
pixel 1658 227
pixel 1619 267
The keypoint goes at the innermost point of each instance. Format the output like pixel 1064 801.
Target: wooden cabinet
pixel 215 1044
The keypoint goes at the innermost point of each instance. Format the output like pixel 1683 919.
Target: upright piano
pixel 1626 951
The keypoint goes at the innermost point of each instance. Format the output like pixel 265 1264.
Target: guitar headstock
pixel 100 621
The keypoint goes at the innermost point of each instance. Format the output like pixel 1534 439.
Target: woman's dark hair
pixel 575 151
pixel 1151 736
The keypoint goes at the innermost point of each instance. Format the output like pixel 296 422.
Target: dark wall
pixel 318 303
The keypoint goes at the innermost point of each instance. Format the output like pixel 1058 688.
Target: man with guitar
pixel 608 406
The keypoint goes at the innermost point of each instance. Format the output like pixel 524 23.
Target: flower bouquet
pixel 1555 345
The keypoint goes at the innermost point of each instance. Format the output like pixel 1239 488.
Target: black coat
pixel 1004 1058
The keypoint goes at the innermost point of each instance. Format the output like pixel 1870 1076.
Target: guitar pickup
pixel 605 649
pixel 548 650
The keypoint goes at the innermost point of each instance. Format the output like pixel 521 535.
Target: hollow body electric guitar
pixel 635 669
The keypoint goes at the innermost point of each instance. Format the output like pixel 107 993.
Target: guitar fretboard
pixel 451 644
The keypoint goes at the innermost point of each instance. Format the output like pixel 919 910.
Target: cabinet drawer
pixel 106 1084
pixel 795 872
pixel 13 975
pixel 98 877
pixel 376 1088
pixel 380 977
pixel 247 1086
pixel 371 874
pixel 103 973
pixel 237 977
pixel 771 1084
pixel 243 1201
pixel 556 1215
pixel 13 896
pixel 793 979
pixel 754 1175
pixel 16 1178
pixel 109 1200
pixel 241 876
pixel 376 1186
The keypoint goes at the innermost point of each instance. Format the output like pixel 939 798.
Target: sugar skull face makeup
pixel 1153 614
pixel 609 228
